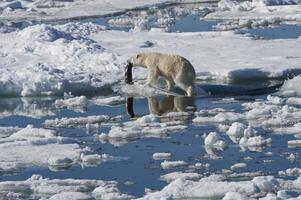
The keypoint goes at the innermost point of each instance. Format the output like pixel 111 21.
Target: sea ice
pixel 173 164
pixel 74 189
pixel 161 156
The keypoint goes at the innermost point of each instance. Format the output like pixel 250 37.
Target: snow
pixel 61 59
pixel 78 57
pixel 240 58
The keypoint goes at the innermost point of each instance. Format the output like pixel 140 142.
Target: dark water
pixel 139 167
pixel 283 31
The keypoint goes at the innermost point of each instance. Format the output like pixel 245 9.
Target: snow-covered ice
pixel 37 147
pixel 85 57
pixel 38 187
pixel 173 164
pixel 62 10
pixel 161 156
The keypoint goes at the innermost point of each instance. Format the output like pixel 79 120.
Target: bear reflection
pixel 170 104
pixel 167 105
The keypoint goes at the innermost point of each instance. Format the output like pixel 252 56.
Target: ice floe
pixel 173 164
pixel 256 13
pixel 75 103
pixel 79 121
pixel 83 57
pixel 146 126
pixel 161 156
pixel 54 189
pixel 48 10
pixel 240 58
pixel 36 147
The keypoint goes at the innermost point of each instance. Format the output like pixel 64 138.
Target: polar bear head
pixel 136 60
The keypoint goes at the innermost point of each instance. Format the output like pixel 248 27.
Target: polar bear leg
pixel 170 85
pixel 184 84
pixel 153 76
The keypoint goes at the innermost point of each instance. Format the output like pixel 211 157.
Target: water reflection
pixel 30 107
pixel 169 104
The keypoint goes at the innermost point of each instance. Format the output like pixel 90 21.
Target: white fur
pixel 175 69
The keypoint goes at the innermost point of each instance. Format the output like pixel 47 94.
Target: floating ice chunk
pixel 290 172
pixel 60 162
pixel 61 189
pixel 161 156
pixel 294 101
pixel 145 126
pixel 238 166
pixel 173 164
pixel 220 118
pixel 10 4
pixel 72 103
pixel 110 101
pixel 291 87
pixel 176 175
pixel 266 183
pixel 90 159
pixel 254 141
pixel 201 165
pixel 77 122
pixel 223 127
pixel 206 188
pixel 236 196
pixel 110 191
pixel 214 140
pixel 294 143
pixel 282 194
pixel 295 129
pixel 71 196
pixel 275 100
pixel 7 131
pixel 236 129
pixel 151 118
pixel 92 127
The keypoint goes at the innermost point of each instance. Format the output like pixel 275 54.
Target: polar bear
pixel 175 69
